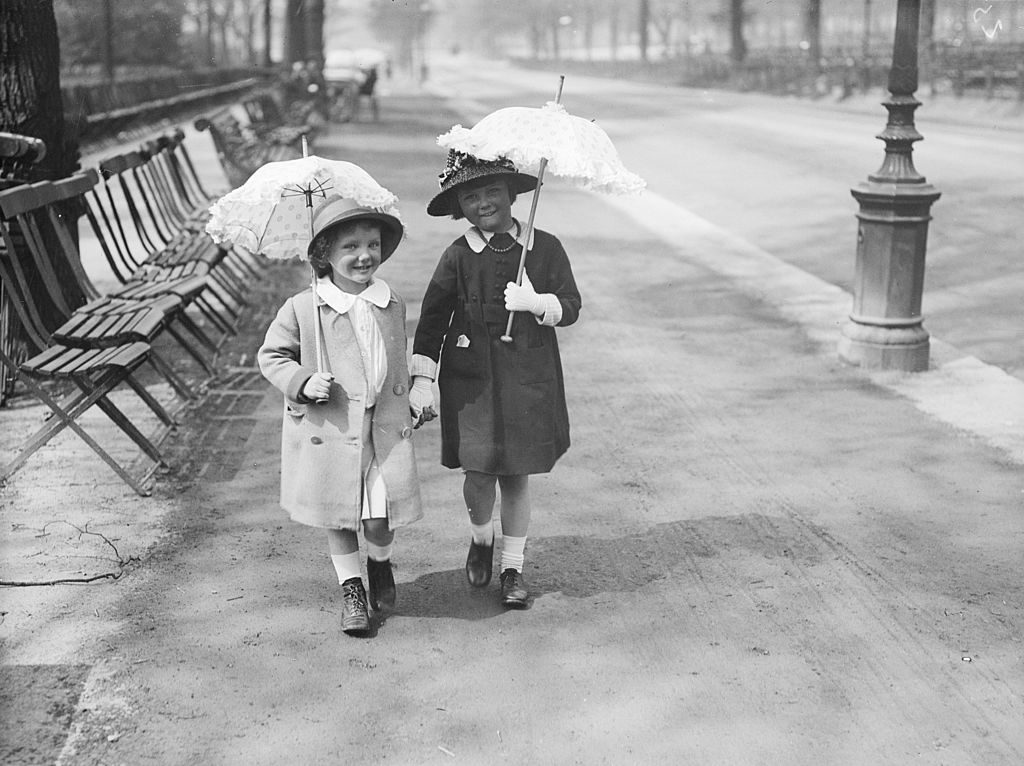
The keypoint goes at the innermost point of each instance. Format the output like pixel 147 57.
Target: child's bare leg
pixel 378 533
pixel 478 490
pixel 342 542
pixel 515 505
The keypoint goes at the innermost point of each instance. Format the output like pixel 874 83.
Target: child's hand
pixel 421 400
pixel 318 387
pixel 523 297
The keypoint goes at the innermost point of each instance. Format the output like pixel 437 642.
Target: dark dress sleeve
pixel 561 282
pixel 438 306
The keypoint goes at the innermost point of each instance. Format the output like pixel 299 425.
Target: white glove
pixel 421 400
pixel 523 297
pixel 318 387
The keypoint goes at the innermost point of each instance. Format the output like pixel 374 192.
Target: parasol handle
pixel 527 233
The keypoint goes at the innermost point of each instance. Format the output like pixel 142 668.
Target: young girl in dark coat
pixel 503 412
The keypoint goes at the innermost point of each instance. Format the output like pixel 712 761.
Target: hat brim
pixel 446 202
pixel 391 233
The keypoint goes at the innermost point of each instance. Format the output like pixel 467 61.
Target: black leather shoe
pixel 513 589
pixel 354 619
pixel 382 584
pixel 479 564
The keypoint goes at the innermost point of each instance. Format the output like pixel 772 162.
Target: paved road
pixel 751 554
pixel 777 172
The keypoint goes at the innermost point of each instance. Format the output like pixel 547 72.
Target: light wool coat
pixel 322 444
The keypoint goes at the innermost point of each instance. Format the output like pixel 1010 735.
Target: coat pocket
pixel 295 411
pixel 534 365
pixel 462 361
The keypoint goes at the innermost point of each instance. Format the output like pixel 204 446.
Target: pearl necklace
pixel 515 241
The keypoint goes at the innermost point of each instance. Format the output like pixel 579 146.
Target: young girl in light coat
pixel 347 457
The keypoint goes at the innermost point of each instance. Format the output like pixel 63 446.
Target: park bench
pixel 241 149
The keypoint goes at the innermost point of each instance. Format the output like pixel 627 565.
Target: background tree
pixel 404 26
pixel 143 33
pixel 643 25
pixel 738 43
pixel 30 98
pixel 812 31
pixel 30 104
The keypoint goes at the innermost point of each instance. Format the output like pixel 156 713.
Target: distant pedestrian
pixel 347 457
pixel 503 411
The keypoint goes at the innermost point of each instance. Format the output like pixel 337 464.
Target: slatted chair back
pixel 18 154
pixel 15 274
pixel 121 174
pixel 72 190
pixel 109 220
pixel 187 170
pixel 166 187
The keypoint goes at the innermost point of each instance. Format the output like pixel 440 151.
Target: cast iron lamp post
pixel 885 331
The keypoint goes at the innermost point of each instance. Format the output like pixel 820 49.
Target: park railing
pixel 98 109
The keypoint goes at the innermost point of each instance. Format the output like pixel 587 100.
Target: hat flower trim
pixel 458 161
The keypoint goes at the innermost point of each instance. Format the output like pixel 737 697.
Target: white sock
pixel 347 565
pixel 512 550
pixel 483 534
pixel 379 552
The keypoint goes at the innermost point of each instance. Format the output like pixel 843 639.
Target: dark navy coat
pixel 502 405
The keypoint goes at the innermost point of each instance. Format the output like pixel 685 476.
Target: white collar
pixel 377 292
pixel 478 239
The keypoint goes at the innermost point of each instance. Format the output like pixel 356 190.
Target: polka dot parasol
pixel 271 213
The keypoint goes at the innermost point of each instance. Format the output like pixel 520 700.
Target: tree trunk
pixel 738 49
pixel 613 31
pixel 314 10
pixel 268 59
pixel 31 105
pixel 926 43
pixel 295 31
pixel 643 24
pixel 812 33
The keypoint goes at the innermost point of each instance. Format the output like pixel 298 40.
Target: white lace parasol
pixel 271 213
pixel 575 149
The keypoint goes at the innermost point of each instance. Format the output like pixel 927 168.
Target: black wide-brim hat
pixel 462 169
pixel 337 210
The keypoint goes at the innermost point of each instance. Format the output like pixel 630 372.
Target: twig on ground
pixel 122 563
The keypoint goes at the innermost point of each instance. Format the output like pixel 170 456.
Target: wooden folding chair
pixel 93 372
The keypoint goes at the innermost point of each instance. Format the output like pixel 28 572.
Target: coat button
pixel 315 440
pixel 399 389
pixel 406 432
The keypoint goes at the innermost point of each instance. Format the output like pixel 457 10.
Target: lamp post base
pixel 876 347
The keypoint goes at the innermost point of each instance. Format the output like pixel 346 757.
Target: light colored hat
pixel 336 210
pixel 462 169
